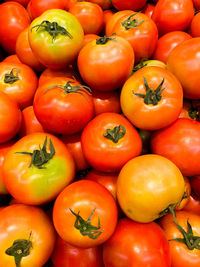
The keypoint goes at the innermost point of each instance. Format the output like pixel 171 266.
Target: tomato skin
pixel 195 184
pixel 14 19
pixel 190 110
pixel 66 255
pixel 103 60
pixel 193 204
pixel 180 254
pixel 22 90
pixel 166 10
pixel 149 116
pixel 84 196
pixel 12 59
pixel 137 244
pixel 195 26
pixel 148 9
pixel 10 118
pixel 65 48
pixel 42 185
pixel 22 2
pixel 168 42
pixel 105 4
pixel 52 107
pixel 109 156
pixel 90 37
pixel 179 142
pixel 135 5
pixel 196 4
pixel 17 222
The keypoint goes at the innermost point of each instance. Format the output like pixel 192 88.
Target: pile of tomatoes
pixel 100 133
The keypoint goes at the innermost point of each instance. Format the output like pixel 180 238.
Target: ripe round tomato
pixel 148 9
pixel 12 59
pixel 99 61
pixel 173 15
pixel 13 20
pixel 152 98
pixel 56 38
pixel 193 204
pixel 147 185
pixel 63 106
pixel 85 214
pixel 195 26
pixel 37 168
pixel 195 184
pixel 10 118
pixel 180 143
pixel 109 141
pixel 137 244
pixel 66 255
pixel 90 37
pixel 187 193
pixel 181 254
pixel 27 236
pixel 135 5
pixel 18 81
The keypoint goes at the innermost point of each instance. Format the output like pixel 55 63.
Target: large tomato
pixel 13 20
pixel 136 244
pixel 85 214
pixel 152 98
pixel 99 61
pixel 147 185
pixel 195 26
pixel 56 38
pixel 109 141
pixel 179 142
pixel 135 5
pixel 184 63
pixel 27 236
pixel 37 168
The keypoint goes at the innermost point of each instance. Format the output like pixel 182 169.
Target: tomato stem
pixel 193 112
pixel 19 249
pixel 11 77
pixel 115 133
pixel 129 24
pixel 139 66
pixel 103 40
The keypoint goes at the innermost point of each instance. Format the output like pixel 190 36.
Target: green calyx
pixel 103 40
pixel 19 249
pixel 40 156
pixel 139 66
pixel 152 97
pixel 53 29
pixel 193 112
pixel 85 227
pixel 116 133
pixel 129 24
pixel 11 77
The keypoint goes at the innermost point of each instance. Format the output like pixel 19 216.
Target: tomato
pixel 25 53
pixel 193 204
pixel 22 2
pixel 148 9
pixel 33 172
pixel 30 124
pixel 137 244
pixel 54 100
pixel 106 102
pixel 190 110
pixel 195 26
pixel 195 184
pixel 139 30
pixel 152 98
pixel 102 58
pixel 107 14
pixel 196 4
pixel 179 63
pixel 10 118
pixel 66 255
pixel 13 20
pixel 109 141
pixel 85 214
pixel 187 193
pixel 12 59
pixel 166 11
pixel 89 15
pixel 179 142
pixel 4 148
pixel 183 255
pixel 135 5
pixel 18 81
pixel 90 37
pixel 167 43
pixel 147 185
pixel 105 4
pixel 27 236
pixel 147 63
pixel 37 7
pixel 56 38
pixel 73 144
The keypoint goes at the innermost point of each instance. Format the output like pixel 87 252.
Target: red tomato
pixel 195 26
pixel 12 59
pixel 66 255
pixel 73 144
pixel 55 99
pixel 196 4
pixel 107 14
pixel 30 124
pixel 90 37
pixel 137 244
pixel 89 15
pixel 99 61
pixel 18 81
pixel 85 214
pixel 193 204
pixel 148 9
pixel 135 5
pixel 26 231
pixel 179 142
pixel 22 2
pixel 109 141
pixel 167 43
pixel 195 184
pixel 173 15
pixel 105 4
pixel 13 20
pixel 10 118
pixel 190 110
